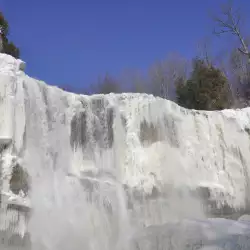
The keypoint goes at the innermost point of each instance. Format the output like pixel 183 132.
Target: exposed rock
pixel 19 180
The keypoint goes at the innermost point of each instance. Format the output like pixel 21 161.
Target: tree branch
pixel 230 23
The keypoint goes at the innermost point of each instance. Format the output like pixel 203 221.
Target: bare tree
pixel 240 75
pixel 106 85
pixel 134 81
pixel 164 74
pixel 204 51
pixel 230 22
pixel 238 66
pixel 220 59
pixel 160 86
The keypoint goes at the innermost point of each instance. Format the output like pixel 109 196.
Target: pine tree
pixel 207 88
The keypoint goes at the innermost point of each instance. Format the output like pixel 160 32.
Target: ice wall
pixel 142 156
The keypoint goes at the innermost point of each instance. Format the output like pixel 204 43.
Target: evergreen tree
pixel 8 46
pixel 207 88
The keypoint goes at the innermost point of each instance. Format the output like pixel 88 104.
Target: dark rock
pixel 20 180
pixel 78 136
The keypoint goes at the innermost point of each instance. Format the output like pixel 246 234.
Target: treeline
pixel 198 84
pixel 203 83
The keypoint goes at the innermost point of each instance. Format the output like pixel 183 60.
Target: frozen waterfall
pixel 117 172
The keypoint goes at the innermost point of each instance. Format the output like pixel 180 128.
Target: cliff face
pixel 141 156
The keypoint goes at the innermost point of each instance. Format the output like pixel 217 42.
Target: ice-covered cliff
pixel 132 159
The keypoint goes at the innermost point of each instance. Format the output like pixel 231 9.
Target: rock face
pixel 132 159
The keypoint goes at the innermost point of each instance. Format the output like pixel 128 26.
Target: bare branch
pixel 229 22
pixel 243 52
pixel 163 75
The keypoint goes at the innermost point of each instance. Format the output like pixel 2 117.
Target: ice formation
pixel 89 172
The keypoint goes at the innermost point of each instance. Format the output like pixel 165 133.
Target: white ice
pixel 152 143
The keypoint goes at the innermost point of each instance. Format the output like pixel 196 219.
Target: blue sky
pixel 72 42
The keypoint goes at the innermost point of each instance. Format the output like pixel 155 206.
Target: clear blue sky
pixel 71 42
